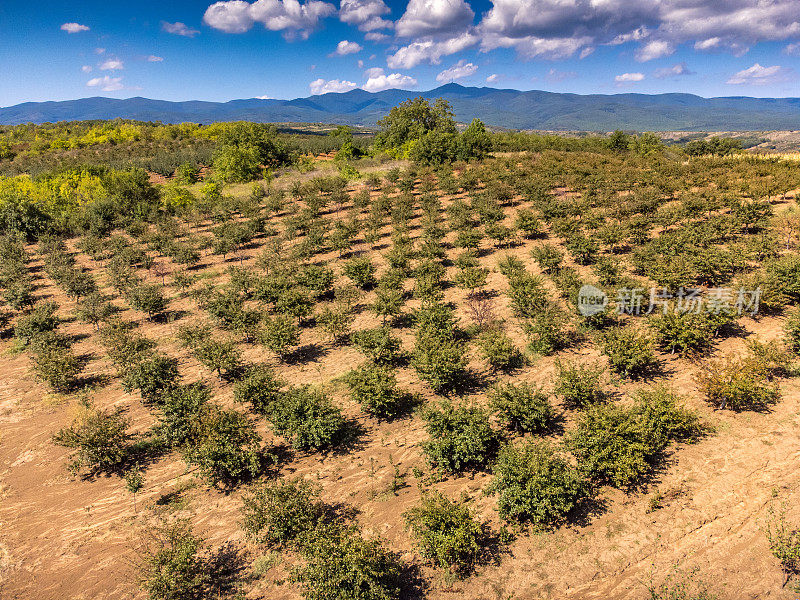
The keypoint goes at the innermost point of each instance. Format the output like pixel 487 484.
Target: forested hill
pixel 501 108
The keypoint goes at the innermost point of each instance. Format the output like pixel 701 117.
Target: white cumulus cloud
pixel 106 83
pixel 290 16
pixel 179 28
pixel 112 64
pixel 386 82
pixel 154 58
pixel 365 14
pixel 429 51
pixel 758 75
pixel 676 70
pixel 336 86
pixel 344 48
pixel 434 17
pixel 74 27
pixel 629 77
pixel 493 78
pixel 458 71
pixel 654 49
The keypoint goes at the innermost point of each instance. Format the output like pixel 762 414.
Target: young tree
pixel 98 439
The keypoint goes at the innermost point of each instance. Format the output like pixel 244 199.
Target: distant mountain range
pixel 501 108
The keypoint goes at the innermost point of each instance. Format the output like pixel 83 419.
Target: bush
pixel 224 445
pixel 98 438
pixel 41 319
pixel 152 375
pixel 281 513
pixel 308 418
pixel 447 533
pixel 169 561
pixel 374 387
pixel 737 384
pixel 684 332
pixel 499 350
pixel 361 271
pixel 536 485
pixel 341 565
pixel 260 388
pixel 459 437
pixel 522 407
pixel 618 445
pixel 149 298
pixel 630 351
pixel 378 344
pixel 279 334
pixel 219 356
pixel 56 364
pixel 439 360
pixel 180 406
pixel 578 385
pixel 336 321
pixel 792 329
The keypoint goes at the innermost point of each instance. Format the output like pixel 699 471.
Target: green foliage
pixel 499 351
pixel 374 387
pixel 308 418
pixel 630 351
pixel 439 360
pixel 579 385
pixel 40 320
pixel 260 388
pixel 412 119
pixel 55 363
pixel 536 484
pixel 152 374
pixel 224 445
pixel 619 445
pixel 279 334
pixel 98 439
pixel 446 533
pixel 792 329
pixel 784 540
pixel 341 565
pixel 244 147
pixel 459 437
pixel 361 271
pixel 378 344
pixel 685 332
pixel 737 384
pixel 149 298
pixel 522 407
pixel 281 513
pixel 221 356
pixel 169 561
pixel 180 406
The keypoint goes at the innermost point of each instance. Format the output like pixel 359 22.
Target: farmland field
pixel 369 377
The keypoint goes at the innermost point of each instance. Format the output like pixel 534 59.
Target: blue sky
pixel 186 50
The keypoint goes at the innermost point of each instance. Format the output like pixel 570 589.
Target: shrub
pixel 737 384
pixel 618 445
pixel 579 385
pixel 361 271
pixel 784 540
pixel 336 321
pixel 279 334
pixel 308 418
pixel 440 361
pixel 548 256
pixel 378 344
pixel 499 350
pixel 792 329
pixel 180 406
pixel 341 565
pixel 549 330
pixel 95 308
pixel 56 364
pixel 98 439
pixel 152 375
pixel 528 223
pixel 281 513
pixel 535 484
pixel 260 388
pixel 630 351
pixel 224 445
pixel 447 533
pixel 149 298
pixel 41 319
pixel 522 407
pixel 169 562
pixel 684 332
pixel 459 437
pixel 374 387
pixel 219 356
